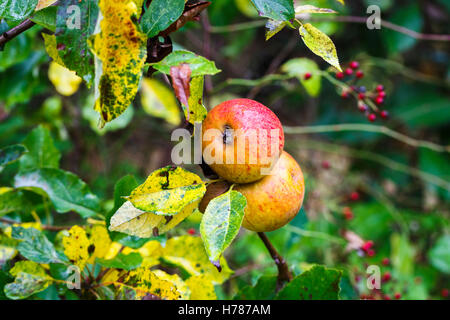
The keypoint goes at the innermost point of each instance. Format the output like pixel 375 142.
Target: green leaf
pixel 298 67
pixel 16 10
pixel 122 261
pixel 160 15
pixel 439 255
pixel 42 152
pixel 8 250
pixel 196 111
pixel 320 44
pixel 10 154
pixel 46 18
pixel 16 50
pixel 280 10
pixel 158 101
pixel 318 283
pixel 273 27
pixel 199 65
pixel 120 52
pixel 72 38
pixel 30 278
pixel 221 222
pixel 12 200
pixel 34 245
pixel 66 191
pixel 265 289
pixel 402 254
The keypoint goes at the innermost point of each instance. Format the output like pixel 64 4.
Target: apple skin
pixel 272 201
pixel 243 114
pixel 276 199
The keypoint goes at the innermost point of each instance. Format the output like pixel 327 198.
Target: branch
pixel 284 275
pixel 43 226
pixel 14 32
pixel 367 128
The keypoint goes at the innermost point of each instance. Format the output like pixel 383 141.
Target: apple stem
pixel 284 275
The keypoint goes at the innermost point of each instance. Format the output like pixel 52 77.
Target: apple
pixel 241 140
pixel 272 201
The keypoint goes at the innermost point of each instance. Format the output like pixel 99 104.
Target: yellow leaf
pixel 7 248
pixel 166 198
pixel 66 82
pixel 273 27
pixel 201 288
pixel 114 249
pixel 320 44
pixel 44 4
pixel 100 240
pixel 150 252
pixel 158 101
pixel 144 282
pixel 189 253
pixel 112 275
pixel 120 49
pixel 196 111
pixel 76 246
pixel 181 286
pixel 312 9
pixel 50 47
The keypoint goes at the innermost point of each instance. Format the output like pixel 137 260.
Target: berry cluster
pixel 368 101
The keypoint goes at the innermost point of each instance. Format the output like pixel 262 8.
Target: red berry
pixel 444 293
pixel 386 297
pixel 340 75
pixel 344 94
pixel 359 74
pixel 191 231
pixel 307 76
pixel 354 64
pixel 367 245
pixel 386 277
pixel 379 88
pixel 348 71
pixel 361 96
pixel 397 296
pixel 353 88
pixel 370 252
pixel 382 94
pixel 325 164
pixel 384 114
pixel 385 261
pixel 363 108
pixel 379 100
pixel 372 117
pixel 354 196
pixel 347 212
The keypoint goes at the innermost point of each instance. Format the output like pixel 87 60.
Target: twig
pixel 315 234
pixel 367 128
pixel 43 226
pixel 284 275
pixel 14 32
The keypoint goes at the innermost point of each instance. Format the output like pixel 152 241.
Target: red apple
pixel 242 140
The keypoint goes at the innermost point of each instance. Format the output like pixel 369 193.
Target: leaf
pixel 199 65
pixel 171 192
pixel 75 23
pixel 439 255
pixel 402 254
pixel 196 111
pixel 7 249
pixel 120 49
pixel 30 278
pixel 201 288
pixel 189 253
pixel 12 200
pixel 182 287
pixel 76 246
pixel 298 67
pixel 34 245
pixel 11 154
pixel 160 15
pixel 44 4
pixel 16 10
pixel 167 191
pixel 320 44
pixel 180 81
pixel 273 27
pixel 312 9
pixel 265 289
pixel 17 49
pixel 66 82
pixel 42 152
pixel 158 101
pixel 50 47
pixel 99 238
pixel 221 222
pixel 66 191
pixel 280 10
pixel 45 18
pixel 318 283
pixel 122 261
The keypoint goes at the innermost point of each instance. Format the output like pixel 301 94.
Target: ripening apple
pixel 272 201
pixel 242 140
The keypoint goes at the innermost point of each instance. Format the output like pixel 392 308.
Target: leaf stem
pixel 284 275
